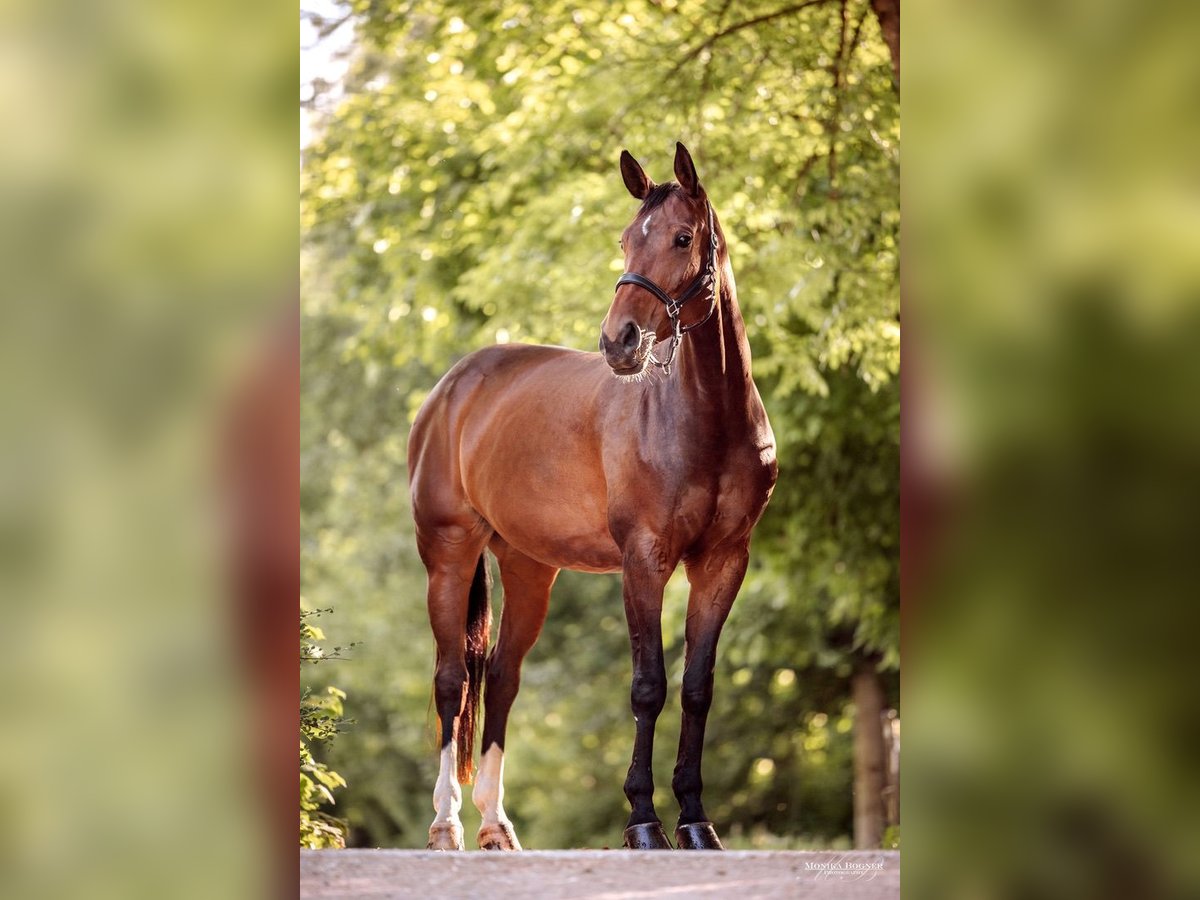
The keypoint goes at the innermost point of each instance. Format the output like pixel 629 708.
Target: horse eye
pixel 683 240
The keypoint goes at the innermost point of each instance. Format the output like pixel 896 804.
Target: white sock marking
pixel 447 795
pixel 488 793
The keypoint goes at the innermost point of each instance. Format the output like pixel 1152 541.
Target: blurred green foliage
pixel 147 234
pixel 320 719
pixel 1052 722
pixel 462 189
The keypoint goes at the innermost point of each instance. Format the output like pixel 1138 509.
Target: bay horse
pixel 614 461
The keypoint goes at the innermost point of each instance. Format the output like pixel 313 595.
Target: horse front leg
pixel 715 580
pixel 645 575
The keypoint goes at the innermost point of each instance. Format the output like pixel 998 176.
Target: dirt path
pixel 598 874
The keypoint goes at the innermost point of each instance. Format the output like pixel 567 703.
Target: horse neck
pixel 714 359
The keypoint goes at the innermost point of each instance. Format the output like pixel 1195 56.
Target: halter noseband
pixel 705 278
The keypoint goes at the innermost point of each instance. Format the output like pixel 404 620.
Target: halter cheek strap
pixel 706 278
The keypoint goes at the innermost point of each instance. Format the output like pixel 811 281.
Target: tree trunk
pixel 869 756
pixel 891 789
pixel 888 14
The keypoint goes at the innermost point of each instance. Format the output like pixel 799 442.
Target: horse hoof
pixel 445 836
pixel 697 836
pixel 498 836
pixel 649 836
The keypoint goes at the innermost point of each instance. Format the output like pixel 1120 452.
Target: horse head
pixel 670 258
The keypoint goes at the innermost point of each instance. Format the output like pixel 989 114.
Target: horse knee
pixel 648 694
pixel 696 694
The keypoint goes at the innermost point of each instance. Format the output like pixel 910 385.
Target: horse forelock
pixel 658 196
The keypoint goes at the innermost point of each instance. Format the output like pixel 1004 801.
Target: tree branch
pixel 721 12
pixel 831 126
pixel 749 23
pixel 845 51
pixel 325 27
pixel 854 38
pixel 805 169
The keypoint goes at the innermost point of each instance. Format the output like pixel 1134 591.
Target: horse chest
pixel 713 500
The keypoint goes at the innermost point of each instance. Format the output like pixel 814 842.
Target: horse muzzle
pixel 629 354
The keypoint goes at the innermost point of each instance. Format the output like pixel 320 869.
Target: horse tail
pixel 479 626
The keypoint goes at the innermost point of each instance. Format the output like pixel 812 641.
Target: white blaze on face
pixel 447 795
pixel 646 225
pixel 488 793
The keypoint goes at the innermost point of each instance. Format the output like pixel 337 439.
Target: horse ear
pixel 636 179
pixel 685 171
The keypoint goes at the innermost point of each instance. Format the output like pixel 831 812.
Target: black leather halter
pixel 706 278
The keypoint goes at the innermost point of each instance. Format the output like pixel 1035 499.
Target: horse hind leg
pixel 527 585
pixel 459 615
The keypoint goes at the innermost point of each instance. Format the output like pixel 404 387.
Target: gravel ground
pixel 599 874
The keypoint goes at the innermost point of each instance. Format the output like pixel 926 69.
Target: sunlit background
pixel 460 188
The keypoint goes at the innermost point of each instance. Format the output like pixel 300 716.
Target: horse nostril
pixel 630 336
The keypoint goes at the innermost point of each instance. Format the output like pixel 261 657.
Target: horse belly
pixel 581 552
pixel 561 528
